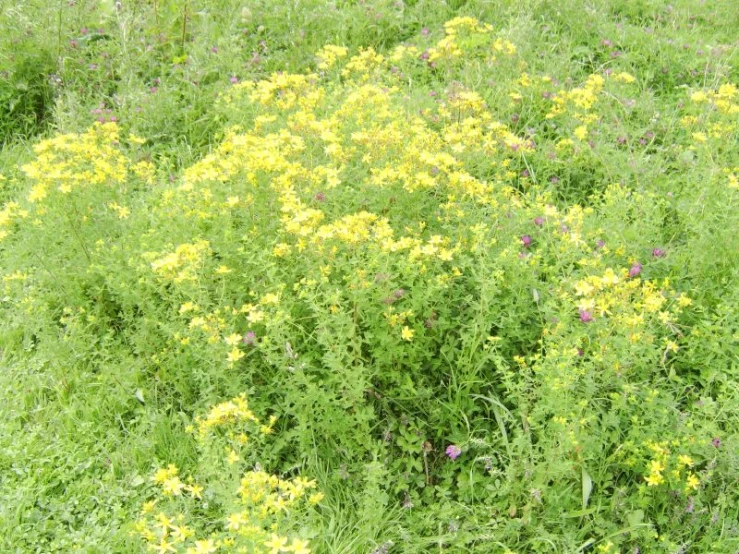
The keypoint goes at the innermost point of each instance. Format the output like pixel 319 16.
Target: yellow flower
pixel 235 355
pixel 407 333
pixel 148 507
pixel 299 546
pixel 280 250
pixel 180 533
pixel 255 316
pixel 163 474
pixel 276 544
pixel 624 77
pixel 163 547
pixel 232 458
pixel 699 97
pixel 237 520
pixel 196 491
pixel 270 298
pixel 164 522
pixel 203 547
pixel 684 460
pixel 692 482
pixel 233 340
pixel 173 486
pixel 654 479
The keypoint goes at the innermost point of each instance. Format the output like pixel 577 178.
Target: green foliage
pixel 478 259
pixel 26 92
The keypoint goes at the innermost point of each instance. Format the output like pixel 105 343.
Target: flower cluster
pixel 262 512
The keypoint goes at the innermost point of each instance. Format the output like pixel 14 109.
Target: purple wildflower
pixel 453 451
pixel 526 241
pixel 635 270
pixel 716 442
pixel 539 221
pixel 250 338
pixel 658 253
pixel 586 316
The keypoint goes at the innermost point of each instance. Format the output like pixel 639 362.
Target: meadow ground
pixel 369 276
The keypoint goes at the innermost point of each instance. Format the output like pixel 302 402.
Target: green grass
pixel 469 327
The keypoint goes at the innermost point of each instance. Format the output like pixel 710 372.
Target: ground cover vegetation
pixel 369 277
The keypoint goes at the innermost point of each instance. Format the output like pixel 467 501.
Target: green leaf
pixel 587 487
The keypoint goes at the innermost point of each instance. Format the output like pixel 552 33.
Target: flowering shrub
pixel 490 307
pixel 259 512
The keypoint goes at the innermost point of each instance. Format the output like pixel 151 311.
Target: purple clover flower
pixel 453 451
pixel 635 270
pixel 658 253
pixel 250 338
pixel 586 316
pixel 526 241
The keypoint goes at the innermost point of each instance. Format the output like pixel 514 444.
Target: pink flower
pixel 658 253
pixel 586 316
pixel 635 270
pixel 526 240
pixel 453 451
